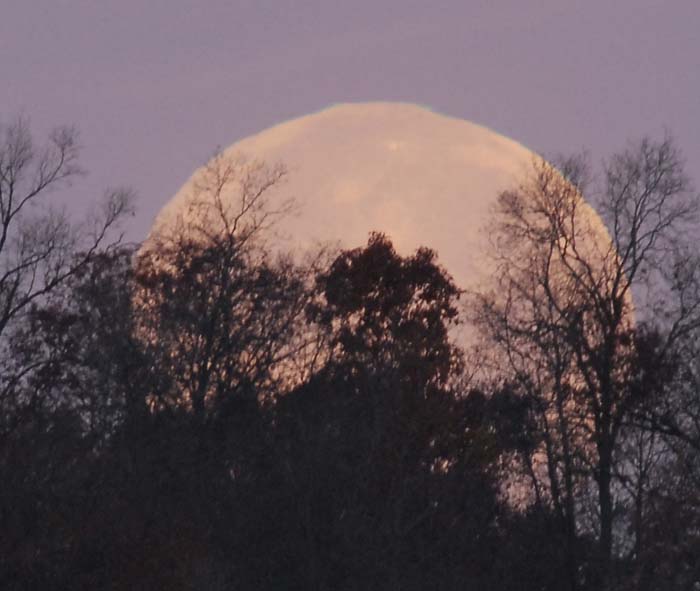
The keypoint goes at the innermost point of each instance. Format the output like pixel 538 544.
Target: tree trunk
pixel 569 506
pixel 606 515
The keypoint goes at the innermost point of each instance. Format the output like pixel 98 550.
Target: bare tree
pixel 572 303
pixel 40 247
pixel 220 310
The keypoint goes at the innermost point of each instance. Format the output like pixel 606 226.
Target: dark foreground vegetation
pixel 202 413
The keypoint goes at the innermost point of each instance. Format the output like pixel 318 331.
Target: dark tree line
pixel 202 412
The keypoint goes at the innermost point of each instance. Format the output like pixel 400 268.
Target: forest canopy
pixel 203 412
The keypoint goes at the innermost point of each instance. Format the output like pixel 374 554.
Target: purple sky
pixel 155 86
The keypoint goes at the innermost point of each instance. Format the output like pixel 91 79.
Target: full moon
pixel 422 178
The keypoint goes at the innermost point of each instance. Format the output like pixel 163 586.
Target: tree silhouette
pixel 562 313
pixel 391 469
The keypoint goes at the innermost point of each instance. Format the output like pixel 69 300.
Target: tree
pixel 40 248
pixel 219 312
pixel 81 342
pixel 45 448
pixel 389 472
pixel 385 310
pixel 572 306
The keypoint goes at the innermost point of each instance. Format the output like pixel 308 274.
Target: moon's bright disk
pixel 422 178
